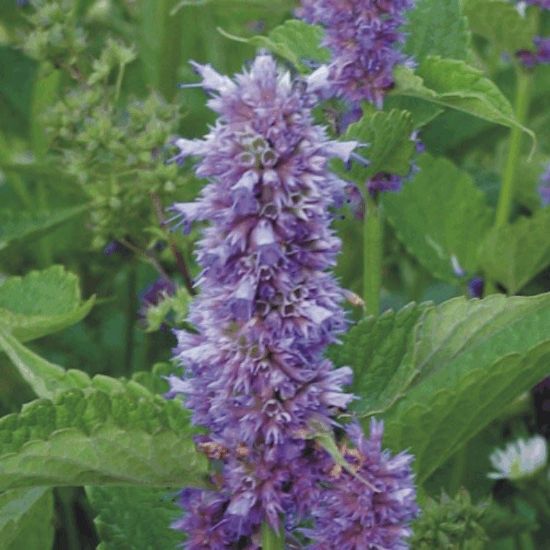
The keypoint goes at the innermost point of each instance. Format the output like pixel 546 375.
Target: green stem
pixel 119 79
pixel 372 256
pixel 508 189
pixel 131 312
pixel 66 501
pixel 271 540
pixel 507 192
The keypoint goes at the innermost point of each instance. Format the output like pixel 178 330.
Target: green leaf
pixel 452 83
pixel 439 215
pixel 100 437
pixel 155 379
pixel 500 22
pixel 474 358
pixel 17 226
pixel 272 540
pixel 421 111
pixel 42 302
pixel 437 27
pixel 513 254
pixel 46 379
pixel 26 519
pixel 378 349
pixel 500 522
pixel 294 41
pixel 389 144
pixel 134 518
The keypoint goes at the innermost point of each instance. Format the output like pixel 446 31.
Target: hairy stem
pixel 180 260
pixel 372 256
pixel 507 191
pixel 131 312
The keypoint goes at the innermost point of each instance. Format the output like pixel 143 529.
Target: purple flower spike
pixel 255 375
pixel 371 506
pixel 364 37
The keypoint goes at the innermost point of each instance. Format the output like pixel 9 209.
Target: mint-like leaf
pixel 438 215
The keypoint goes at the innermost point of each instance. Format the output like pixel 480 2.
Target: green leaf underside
pixel 134 518
pixel 294 41
pixel 473 359
pixel 437 28
pixel 513 254
pixel 100 437
pixel 500 22
pixel 17 226
pixel 389 148
pixel 26 519
pixel 41 302
pixel 46 379
pixel 377 349
pixel 438 215
pixel 454 84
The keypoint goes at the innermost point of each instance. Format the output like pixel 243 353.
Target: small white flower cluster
pixel 520 459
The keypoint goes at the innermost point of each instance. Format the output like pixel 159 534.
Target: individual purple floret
pixel 384 182
pixel 476 286
pixel 364 37
pixel 370 506
pixel 539 56
pixel 544 187
pixel 255 375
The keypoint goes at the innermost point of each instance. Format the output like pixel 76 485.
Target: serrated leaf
pixel 513 254
pixel 26 519
pixel 97 438
pixel 422 112
pixel 452 83
pixel 501 23
pixel 437 27
pixel 17 226
pixel 378 349
pixel 294 41
pixel 438 215
pixel 389 148
pixel 46 379
pixel 41 302
pixel 474 358
pixel 155 379
pixel 134 518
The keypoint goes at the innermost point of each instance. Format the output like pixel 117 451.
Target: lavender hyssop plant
pixel 255 375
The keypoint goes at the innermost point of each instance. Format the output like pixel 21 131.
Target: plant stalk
pixel 507 192
pixel 508 189
pixel 373 233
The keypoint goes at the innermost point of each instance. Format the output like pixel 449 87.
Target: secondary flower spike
pixel 255 375
pixel 370 506
pixel 364 37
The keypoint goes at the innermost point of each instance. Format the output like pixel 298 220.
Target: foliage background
pixel 82 169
